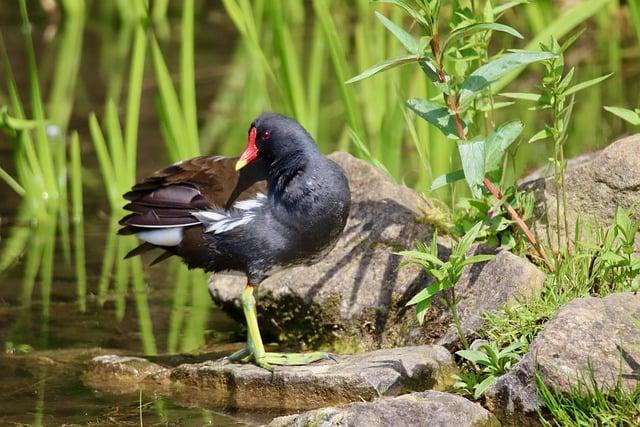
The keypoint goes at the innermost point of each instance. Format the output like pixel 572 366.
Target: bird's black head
pixel 275 138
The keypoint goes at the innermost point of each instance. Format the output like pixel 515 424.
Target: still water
pixel 49 323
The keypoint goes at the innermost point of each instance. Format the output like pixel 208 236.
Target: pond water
pixel 40 306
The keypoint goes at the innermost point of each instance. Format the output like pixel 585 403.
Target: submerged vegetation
pixel 454 113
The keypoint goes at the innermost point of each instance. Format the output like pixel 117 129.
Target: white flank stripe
pixel 242 213
pixel 169 236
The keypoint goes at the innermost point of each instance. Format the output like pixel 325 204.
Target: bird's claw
pixel 268 359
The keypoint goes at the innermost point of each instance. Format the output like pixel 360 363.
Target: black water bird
pixel 281 204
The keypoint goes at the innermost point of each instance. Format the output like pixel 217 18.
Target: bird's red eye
pixel 266 135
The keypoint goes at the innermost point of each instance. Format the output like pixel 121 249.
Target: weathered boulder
pixel 430 408
pixel 587 333
pixel 595 185
pixel 489 286
pixel 357 377
pixel 355 298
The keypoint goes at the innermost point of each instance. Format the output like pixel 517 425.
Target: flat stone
pixel 595 185
pixel 596 333
pixel 356 377
pixel 355 298
pixel 430 408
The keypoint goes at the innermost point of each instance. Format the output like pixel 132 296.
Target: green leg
pixel 255 348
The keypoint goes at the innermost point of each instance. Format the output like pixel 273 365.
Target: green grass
pixel 589 404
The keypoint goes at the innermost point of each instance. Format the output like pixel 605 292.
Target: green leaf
pixel 18 124
pixel 423 256
pixel 489 73
pixel 474 356
pixel 538 136
pixel 422 308
pixel 426 293
pixel 498 142
pixel 436 114
pixel 479 389
pixel 496 106
pixel 407 40
pixel 472 155
pixel 535 97
pixel 446 179
pixel 386 65
pixel 415 14
pixel 508 5
pixel 588 83
pixel 467 240
pixel 475 259
pixel 11 182
pixel 431 71
pixel 459 33
pixel 625 114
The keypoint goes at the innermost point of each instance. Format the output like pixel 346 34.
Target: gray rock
pixel 595 185
pixel 430 408
pixel 355 298
pixel 596 333
pixel 489 286
pixel 357 377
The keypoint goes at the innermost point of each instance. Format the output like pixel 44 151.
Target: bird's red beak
pixel 251 152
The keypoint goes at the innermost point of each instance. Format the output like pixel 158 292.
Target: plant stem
pixel 452 103
pixel 452 305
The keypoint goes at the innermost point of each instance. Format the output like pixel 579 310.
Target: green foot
pixel 255 348
pixel 291 359
pixel 280 359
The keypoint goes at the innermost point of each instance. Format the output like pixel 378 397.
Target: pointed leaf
pixel 625 114
pixel 421 256
pixel 436 114
pixel 474 28
pixel 538 136
pixel 479 389
pixel 408 41
pixel 415 14
pixel 386 65
pixel 535 97
pixel 498 142
pixel 446 179
pixel 422 308
pixel 475 259
pixel 426 293
pixel 467 240
pixel 489 73
pixel 588 83
pixel 474 356
pixel 508 5
pixel 472 155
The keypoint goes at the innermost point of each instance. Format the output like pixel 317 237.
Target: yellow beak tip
pixel 240 164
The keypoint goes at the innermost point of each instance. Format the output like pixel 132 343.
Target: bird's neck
pixel 283 171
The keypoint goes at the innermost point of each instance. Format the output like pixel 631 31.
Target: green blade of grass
pixel 136 75
pixel 187 77
pixel 78 221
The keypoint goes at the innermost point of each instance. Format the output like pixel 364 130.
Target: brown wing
pixel 167 198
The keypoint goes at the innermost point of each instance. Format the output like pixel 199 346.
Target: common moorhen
pixel 281 204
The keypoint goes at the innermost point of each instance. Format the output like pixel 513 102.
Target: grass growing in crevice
pixel 589 403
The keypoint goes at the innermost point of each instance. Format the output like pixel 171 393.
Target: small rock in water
pixel 429 408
